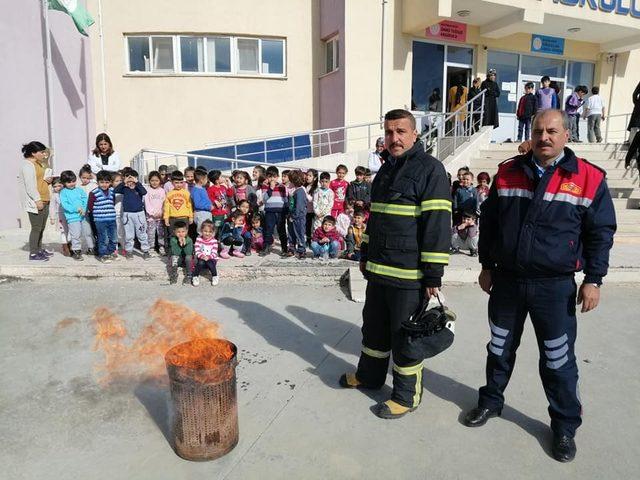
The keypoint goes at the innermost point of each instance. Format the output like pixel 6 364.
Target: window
pixel 580 73
pixel 192 54
pixel 506 65
pixel 428 60
pixel 206 54
pixel 332 55
pixel 219 54
pixel 162 48
pixel 540 66
pixel 272 57
pixel 463 55
pixel 248 53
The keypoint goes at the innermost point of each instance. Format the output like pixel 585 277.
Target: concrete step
pixel 626 203
pixel 629 228
pixel 622 182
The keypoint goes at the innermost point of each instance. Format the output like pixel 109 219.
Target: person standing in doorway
pixel 594 111
pixel 546 96
pixel 458 103
pixel 548 215
pixel 572 107
pixel 491 95
pixel 35 196
pixel 525 112
pixel 104 157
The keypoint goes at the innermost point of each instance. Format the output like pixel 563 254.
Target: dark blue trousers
pixel 551 304
pixel 107 237
pixel 275 220
pixel 297 236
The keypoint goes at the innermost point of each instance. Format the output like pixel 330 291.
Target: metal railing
pixel 144 158
pixel 450 130
pixel 615 129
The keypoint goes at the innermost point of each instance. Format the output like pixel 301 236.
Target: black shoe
pixel 266 251
pixel 146 255
pixel 473 253
pixel 564 448
pixel 77 255
pixel 479 416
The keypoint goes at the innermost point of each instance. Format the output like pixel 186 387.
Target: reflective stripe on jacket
pixel 409 230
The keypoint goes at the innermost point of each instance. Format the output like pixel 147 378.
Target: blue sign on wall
pixel 545 44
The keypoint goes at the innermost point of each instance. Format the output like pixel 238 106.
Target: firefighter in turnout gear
pixel 548 215
pixel 404 253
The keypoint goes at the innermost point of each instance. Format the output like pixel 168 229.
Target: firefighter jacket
pixel 409 230
pixel 546 226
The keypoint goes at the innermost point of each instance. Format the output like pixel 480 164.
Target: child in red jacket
pixel 326 240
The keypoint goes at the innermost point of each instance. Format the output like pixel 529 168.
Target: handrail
pixel 627 117
pixel 234 162
pixel 459 129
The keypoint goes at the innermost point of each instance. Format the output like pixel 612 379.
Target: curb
pixel 316 273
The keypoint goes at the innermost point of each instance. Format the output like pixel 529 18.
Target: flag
pixel 76 11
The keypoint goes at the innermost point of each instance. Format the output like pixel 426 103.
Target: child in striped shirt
pixel 206 250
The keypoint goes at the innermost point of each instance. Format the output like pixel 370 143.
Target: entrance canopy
pixel 590 21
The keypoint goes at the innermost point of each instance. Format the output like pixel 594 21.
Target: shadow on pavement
pixel 155 397
pixel 465 398
pixel 281 333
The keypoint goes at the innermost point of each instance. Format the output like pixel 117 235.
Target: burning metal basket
pixel 203 390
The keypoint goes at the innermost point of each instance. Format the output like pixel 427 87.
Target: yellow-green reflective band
pixel 402 273
pixel 439 204
pixel 375 353
pixel 416 369
pixel 394 209
pixel 365 238
pixel 434 257
pixel 418 394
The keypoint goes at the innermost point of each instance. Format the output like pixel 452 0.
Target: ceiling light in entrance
pixel 574 29
pixel 463 13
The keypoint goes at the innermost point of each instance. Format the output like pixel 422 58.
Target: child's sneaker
pixel 215 280
pixel 46 252
pixel 128 255
pixel 195 281
pixel 187 280
pixel 247 253
pixel 114 256
pixel 224 253
pixel 90 251
pixel 77 255
pixel 39 256
pixel 104 259
pixel 161 251
pixel 265 251
pixel 301 256
pixel 238 253
pixel 146 255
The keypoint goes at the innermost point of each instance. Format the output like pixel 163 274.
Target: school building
pixel 180 75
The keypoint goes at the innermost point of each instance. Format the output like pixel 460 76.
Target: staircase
pixel 623 183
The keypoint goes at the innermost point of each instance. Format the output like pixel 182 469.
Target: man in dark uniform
pixel 548 215
pixel 404 253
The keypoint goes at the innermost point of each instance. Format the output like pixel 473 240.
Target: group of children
pixel 197 217
pixel 576 106
pixel 466 200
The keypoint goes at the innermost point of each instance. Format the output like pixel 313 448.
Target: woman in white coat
pixel 104 157
pixel 34 182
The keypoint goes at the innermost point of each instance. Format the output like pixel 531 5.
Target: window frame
pixel 334 41
pixel 234 58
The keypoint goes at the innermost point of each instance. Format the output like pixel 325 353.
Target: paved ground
pixel 56 421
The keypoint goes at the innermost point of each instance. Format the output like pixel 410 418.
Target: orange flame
pixel 143 357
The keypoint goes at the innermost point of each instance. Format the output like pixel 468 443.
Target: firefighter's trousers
pixel 551 303
pixel 384 310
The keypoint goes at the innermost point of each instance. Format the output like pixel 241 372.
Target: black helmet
pixel 428 331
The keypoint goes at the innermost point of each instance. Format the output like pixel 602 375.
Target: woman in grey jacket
pixel 34 180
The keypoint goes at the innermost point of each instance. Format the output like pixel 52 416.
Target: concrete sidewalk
pixel 624 265
pixel 295 423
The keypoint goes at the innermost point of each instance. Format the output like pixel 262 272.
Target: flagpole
pixel 52 141
pixel 104 87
